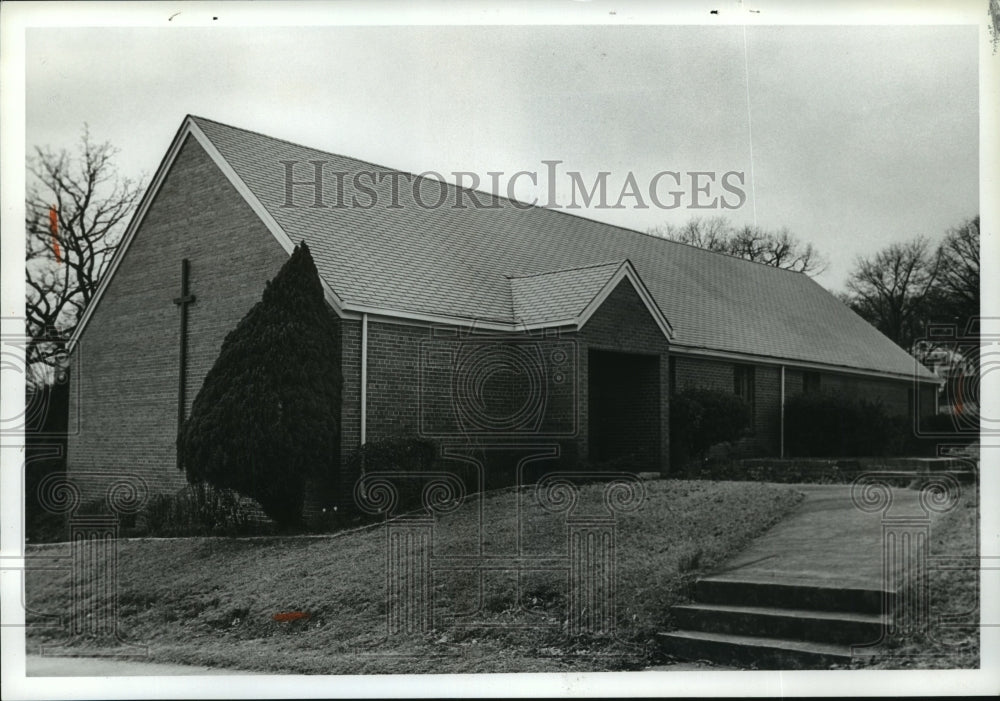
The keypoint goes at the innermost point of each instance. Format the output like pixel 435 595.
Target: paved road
pixel 37 666
pixel 690 667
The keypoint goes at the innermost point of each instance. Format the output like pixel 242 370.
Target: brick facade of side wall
pixel 350 369
pixel 897 396
pixel 706 373
pixel 125 391
pixel 693 372
pixel 410 391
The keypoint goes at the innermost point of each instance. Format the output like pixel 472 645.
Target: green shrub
pixel 200 510
pixel 46 420
pixel 45 527
pixel 266 420
pixel 402 454
pixel 802 471
pixel 99 506
pixel 620 463
pixel 952 428
pixel 938 429
pixel 702 418
pixel 839 425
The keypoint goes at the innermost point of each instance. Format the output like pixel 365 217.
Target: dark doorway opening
pixel 624 409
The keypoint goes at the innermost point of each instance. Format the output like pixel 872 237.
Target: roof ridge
pixel 362 161
pixel 783 319
pixel 514 202
pixel 619 262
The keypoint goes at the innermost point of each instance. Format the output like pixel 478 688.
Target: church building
pixel 492 322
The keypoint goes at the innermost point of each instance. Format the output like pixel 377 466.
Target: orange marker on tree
pixel 54 228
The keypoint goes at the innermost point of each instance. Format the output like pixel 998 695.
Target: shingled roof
pixel 503 261
pixel 561 294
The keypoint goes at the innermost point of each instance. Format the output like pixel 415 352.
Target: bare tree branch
pixel 959 274
pixel 779 249
pixel 92 203
pixel 895 289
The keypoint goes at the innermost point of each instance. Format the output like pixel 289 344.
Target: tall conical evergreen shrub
pixel 266 420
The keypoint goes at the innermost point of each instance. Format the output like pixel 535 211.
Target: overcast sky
pixel 860 135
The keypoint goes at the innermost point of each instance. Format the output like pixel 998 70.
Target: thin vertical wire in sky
pixel 746 67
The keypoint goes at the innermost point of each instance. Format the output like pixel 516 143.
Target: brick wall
pixel 927 399
pixel 411 390
pixel 411 370
pixel 767 410
pixel 394 379
pixel 719 375
pixel 623 324
pixel 126 386
pixel 894 394
pixel 350 368
pixel 691 373
pixel 794 381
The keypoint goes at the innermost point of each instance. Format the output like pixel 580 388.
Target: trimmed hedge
pixel 841 426
pixel 702 418
pixel 201 510
pixel 782 471
pixel 400 455
pixel 951 428
pixel 403 454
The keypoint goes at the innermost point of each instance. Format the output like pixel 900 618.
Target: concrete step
pixel 744 592
pixel 841 627
pixel 747 651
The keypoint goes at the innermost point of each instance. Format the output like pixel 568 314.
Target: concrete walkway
pixel 805 593
pixel 826 541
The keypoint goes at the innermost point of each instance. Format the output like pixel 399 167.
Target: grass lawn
pixel 951 641
pixel 211 601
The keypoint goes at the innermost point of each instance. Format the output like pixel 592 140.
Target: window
pixel 743 386
pixel 810 383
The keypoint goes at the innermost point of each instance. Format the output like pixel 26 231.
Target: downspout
pixel 364 376
pixel 781 440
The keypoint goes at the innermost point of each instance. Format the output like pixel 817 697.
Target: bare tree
pixel 779 249
pixel 896 289
pixel 957 299
pixel 958 276
pixel 76 208
pixel 711 233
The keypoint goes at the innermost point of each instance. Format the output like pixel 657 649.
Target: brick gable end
pixel 126 386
